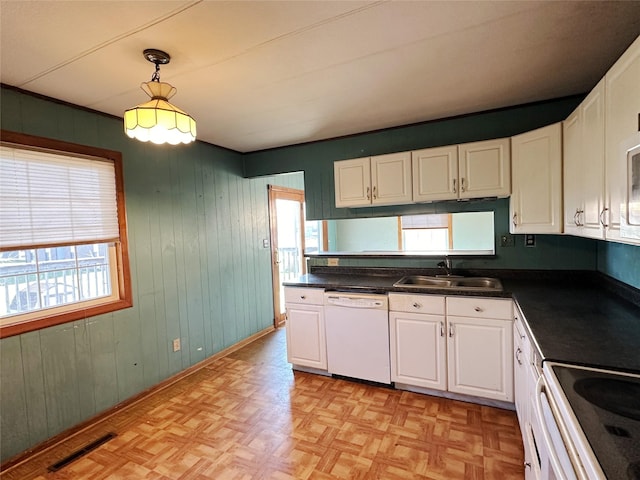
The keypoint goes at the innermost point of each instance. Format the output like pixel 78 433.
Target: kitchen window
pixel 63 238
pixel 426 232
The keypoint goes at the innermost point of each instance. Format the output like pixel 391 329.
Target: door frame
pixel 285 193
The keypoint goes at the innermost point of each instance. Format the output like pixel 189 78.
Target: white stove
pixel 597 413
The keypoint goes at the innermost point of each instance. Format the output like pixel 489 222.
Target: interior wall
pixel 620 261
pixel 198 267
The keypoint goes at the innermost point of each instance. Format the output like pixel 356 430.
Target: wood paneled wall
pixel 199 272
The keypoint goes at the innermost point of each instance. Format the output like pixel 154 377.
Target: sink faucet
pixel 448 269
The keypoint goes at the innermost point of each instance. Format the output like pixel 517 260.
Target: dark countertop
pixel 581 318
pixel 583 324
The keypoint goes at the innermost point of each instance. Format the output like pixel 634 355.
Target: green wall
pixel 620 261
pixel 199 273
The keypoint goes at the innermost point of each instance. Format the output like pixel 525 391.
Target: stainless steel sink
pixel 479 282
pixel 424 281
pixel 453 283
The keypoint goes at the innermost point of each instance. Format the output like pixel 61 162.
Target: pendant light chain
pixel 155 77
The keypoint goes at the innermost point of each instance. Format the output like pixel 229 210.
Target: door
pixel 286 219
pixel 479 357
pixel 435 174
pixel 536 167
pixel 592 167
pixel 572 177
pixel 418 349
pixel 305 336
pixel 622 105
pixel 484 168
pixel 352 182
pixel 391 179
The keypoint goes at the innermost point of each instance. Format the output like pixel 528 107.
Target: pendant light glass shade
pixel 157 120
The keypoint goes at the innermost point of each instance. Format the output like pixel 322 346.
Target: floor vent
pixel 81 452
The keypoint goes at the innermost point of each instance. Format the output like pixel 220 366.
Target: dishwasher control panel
pixel 378 302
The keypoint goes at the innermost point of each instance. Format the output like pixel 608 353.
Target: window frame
pixel 123 285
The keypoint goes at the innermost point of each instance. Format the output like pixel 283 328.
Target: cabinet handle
pixel 450 330
pixel 375 195
pixel 462 184
pixel 518 352
pixel 368 193
pixel 515 220
pixel 580 224
pixel 478 309
pixel 575 217
pixel 442 329
pixel 605 225
pixel 454 186
pixel 416 305
pixel 303 297
pixel 527 464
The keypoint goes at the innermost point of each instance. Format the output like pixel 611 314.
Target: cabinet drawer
pixel 311 296
pixel 480 307
pixel 401 302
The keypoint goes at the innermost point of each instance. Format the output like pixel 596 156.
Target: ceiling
pixel 263 74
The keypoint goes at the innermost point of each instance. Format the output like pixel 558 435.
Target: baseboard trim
pixel 91 422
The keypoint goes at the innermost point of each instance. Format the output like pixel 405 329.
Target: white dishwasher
pixel 357 334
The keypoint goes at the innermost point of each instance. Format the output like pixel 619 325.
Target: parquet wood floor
pixel 248 416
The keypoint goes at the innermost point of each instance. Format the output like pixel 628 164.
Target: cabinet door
pixel 536 171
pixel 418 349
pixel 306 345
pixel 352 180
pixel 572 149
pixel 622 111
pixel 592 167
pixel 520 380
pixel 485 169
pixel 479 357
pixel 391 179
pixel 435 174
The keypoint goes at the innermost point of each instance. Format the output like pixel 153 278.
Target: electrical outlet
pixel 176 344
pixel 506 241
pixel 332 262
pixel 529 240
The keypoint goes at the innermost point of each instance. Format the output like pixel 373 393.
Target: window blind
pixel 425 221
pixel 53 199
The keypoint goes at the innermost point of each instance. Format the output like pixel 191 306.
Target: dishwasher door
pixel 357 334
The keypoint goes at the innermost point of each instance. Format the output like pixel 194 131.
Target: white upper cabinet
pixel 484 169
pixel 470 170
pixel 435 174
pixel 584 167
pixel 536 171
pixel 379 180
pixel 592 169
pixel 622 124
pixel 573 206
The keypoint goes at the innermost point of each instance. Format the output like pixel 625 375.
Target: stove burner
pixel 615 396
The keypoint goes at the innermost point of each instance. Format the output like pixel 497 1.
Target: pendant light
pixel 157 120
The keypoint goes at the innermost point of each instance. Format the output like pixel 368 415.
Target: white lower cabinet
pixel 418 345
pixel 460 344
pixel 525 375
pixel 305 328
pixel 479 357
pixel 521 347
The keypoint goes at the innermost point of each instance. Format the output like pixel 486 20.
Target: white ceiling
pixel 262 74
